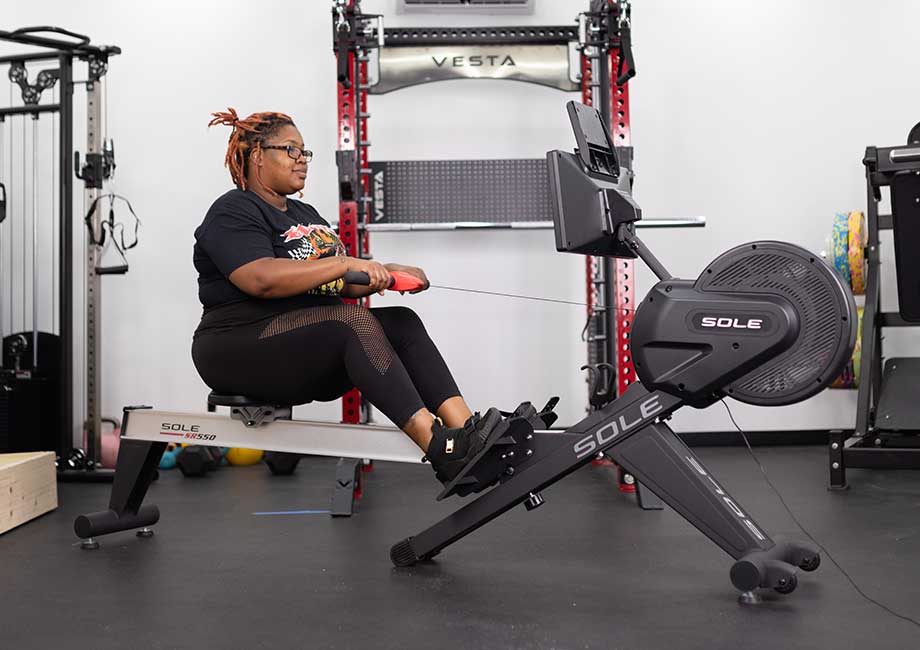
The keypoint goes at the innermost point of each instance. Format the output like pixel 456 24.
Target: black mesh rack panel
pixel 532 35
pixel 501 191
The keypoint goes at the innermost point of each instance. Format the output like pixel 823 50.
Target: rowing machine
pixel 767 323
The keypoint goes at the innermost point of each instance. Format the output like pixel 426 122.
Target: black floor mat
pixel 586 570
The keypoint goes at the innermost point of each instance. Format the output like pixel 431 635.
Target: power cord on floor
pixel 809 535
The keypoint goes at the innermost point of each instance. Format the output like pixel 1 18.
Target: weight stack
pixel 30 396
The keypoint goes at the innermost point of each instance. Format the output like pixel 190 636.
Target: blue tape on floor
pixel 295 512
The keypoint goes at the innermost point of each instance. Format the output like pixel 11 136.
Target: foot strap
pixel 509 445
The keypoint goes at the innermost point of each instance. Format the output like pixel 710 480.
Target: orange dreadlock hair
pixel 247 137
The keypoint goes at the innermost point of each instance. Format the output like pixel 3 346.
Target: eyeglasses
pixel 292 151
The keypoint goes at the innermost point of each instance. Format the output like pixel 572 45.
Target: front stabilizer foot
pixel 402 554
pixel 774 568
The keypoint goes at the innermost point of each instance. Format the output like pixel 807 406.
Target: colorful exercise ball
pixel 240 457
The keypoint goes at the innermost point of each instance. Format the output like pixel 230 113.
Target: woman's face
pixel 281 172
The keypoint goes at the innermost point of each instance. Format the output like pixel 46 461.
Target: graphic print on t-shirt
pixel 314 242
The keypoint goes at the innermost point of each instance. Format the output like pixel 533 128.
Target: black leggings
pixel 320 353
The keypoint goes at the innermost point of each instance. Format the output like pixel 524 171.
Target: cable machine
pixel 38 376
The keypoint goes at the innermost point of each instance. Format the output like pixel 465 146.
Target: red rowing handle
pixel 401 281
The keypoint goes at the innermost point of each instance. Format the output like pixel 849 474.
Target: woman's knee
pixel 399 319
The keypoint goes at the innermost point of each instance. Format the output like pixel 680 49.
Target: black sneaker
pixel 450 450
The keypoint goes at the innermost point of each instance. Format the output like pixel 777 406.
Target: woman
pixel 275 328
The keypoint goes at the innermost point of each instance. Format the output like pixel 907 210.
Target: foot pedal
pixel 509 445
pixel 542 419
pixel 547 415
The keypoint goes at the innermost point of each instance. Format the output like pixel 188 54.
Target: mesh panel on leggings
pixel 362 322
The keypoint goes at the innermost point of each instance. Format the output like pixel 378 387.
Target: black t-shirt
pixel 239 228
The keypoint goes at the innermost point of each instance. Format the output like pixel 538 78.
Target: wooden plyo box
pixel 28 487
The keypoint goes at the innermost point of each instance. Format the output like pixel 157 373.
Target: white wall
pixel 753 114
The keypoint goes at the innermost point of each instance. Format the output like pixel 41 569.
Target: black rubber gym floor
pixel 586 570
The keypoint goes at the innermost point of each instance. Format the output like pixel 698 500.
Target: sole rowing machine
pixel 767 323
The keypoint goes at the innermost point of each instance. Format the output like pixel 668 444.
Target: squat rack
pixel 403 57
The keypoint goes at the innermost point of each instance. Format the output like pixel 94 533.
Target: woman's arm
pixel 355 291
pixel 277 277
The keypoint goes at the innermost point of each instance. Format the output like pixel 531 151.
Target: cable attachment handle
pixel 626 69
pixel 117 229
pixel 342 34
pixel 601 384
pixel 400 281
